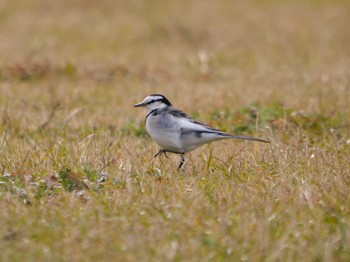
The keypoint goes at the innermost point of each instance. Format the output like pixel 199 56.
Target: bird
pixel 176 132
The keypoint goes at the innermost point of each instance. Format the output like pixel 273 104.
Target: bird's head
pixel 154 101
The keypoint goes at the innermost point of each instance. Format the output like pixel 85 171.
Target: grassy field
pixel 78 180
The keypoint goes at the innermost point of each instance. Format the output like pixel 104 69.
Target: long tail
pixel 249 138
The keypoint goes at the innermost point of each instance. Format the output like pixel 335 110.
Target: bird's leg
pixel 182 161
pixel 162 151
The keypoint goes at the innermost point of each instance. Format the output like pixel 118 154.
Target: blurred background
pixel 100 57
pixel 70 72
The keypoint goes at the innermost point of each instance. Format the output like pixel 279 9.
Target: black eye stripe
pixel 159 99
pixel 154 100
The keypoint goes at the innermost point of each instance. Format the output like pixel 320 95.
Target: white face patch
pixel 155 105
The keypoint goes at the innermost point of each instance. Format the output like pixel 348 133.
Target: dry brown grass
pixel 69 73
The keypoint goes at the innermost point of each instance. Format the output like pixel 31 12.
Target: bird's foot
pixel 162 151
pixel 182 161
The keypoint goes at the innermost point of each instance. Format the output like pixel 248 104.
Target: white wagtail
pixel 175 131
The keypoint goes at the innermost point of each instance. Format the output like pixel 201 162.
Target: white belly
pixel 164 133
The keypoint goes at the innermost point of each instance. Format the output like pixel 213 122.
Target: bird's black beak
pixel 139 104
